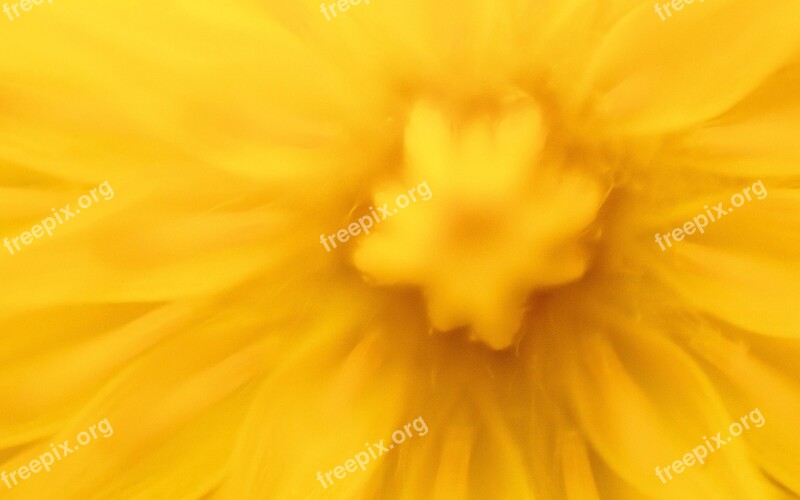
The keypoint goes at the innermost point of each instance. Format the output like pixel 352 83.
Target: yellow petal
pixel 620 390
pixel 334 409
pixel 757 138
pixel 768 396
pixel 656 75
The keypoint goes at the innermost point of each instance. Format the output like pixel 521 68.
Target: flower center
pixel 503 219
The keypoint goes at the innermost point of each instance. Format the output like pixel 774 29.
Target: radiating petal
pixel 655 75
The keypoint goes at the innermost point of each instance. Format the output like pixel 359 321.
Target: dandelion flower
pixel 522 308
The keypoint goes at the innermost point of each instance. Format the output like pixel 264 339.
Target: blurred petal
pixel 656 75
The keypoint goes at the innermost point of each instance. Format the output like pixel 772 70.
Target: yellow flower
pixel 245 341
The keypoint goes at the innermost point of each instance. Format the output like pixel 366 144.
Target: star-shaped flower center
pixel 502 220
